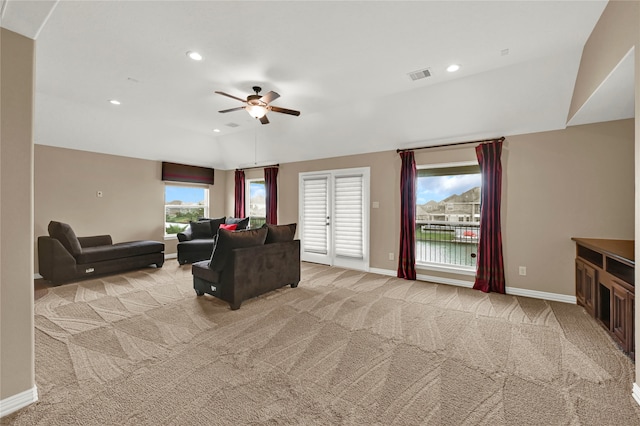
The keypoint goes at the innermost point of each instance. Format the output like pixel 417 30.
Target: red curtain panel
pixel 271 188
pixel 238 210
pixel 490 271
pixel 407 256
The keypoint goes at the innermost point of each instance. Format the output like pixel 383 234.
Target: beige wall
pixel 132 205
pixel 557 185
pixel 617 31
pixel 613 36
pixel 16 213
pixel 576 182
pixel 637 180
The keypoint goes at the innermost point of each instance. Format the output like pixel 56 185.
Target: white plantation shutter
pixel 315 215
pixel 348 218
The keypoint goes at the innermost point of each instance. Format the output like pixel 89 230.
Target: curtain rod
pixel 451 144
pixel 259 167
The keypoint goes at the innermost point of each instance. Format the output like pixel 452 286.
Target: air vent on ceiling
pixel 417 75
pixel 232 125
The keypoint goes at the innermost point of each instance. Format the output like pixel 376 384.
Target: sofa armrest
pixel 55 263
pixel 185 235
pixel 96 240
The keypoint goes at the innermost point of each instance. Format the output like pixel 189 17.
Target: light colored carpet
pixel 344 348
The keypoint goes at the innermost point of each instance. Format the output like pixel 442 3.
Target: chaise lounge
pixel 63 257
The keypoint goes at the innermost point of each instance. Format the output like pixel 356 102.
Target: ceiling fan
pixel 257 106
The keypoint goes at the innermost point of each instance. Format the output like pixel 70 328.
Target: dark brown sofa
pixel 246 264
pixel 196 242
pixel 63 257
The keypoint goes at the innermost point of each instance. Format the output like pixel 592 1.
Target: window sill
pixel 449 269
pixel 170 237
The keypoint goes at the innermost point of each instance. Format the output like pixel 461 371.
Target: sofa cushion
pixel 197 245
pixel 201 229
pixel 202 270
pixel 279 233
pixel 241 222
pixel 231 227
pixel 229 240
pixel 119 251
pixel 63 233
pixel 215 224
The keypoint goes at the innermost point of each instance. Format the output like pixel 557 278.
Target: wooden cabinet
pixel 605 286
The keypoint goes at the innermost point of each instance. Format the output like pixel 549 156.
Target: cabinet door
pixel 589 282
pixel 620 314
pixel 580 282
pixel 631 317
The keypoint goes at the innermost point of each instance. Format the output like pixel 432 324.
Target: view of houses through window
pixel 182 204
pixel 256 207
pixel 448 215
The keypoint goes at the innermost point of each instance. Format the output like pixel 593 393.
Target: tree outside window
pixel 183 204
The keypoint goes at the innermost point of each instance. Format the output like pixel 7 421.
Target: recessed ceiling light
pixel 216 130
pixel 194 55
pixel 453 67
pixel 114 102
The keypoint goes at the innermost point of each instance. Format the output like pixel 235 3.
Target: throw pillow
pixel 63 233
pixel 215 224
pixel 201 229
pixel 280 233
pixel 231 227
pixel 241 222
pixel 229 240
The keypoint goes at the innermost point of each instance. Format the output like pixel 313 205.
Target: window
pixel 256 206
pixel 182 204
pixel 448 215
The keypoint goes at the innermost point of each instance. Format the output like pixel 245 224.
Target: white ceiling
pixel 343 64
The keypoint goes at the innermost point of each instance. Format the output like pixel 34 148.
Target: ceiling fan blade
pixel 230 96
pixel 269 97
pixel 284 110
pixel 264 119
pixel 232 109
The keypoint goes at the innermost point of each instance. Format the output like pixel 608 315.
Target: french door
pixel 334 217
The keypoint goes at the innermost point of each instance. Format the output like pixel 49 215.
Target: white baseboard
pixel 37 276
pixel 636 393
pixel 555 297
pixel 379 271
pixel 18 401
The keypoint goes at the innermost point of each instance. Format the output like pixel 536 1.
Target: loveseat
pixel 64 257
pixel 196 242
pixel 249 263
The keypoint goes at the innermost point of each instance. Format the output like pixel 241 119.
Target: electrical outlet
pixel 390 256
pixel 522 270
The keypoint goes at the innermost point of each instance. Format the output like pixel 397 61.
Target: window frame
pixel 444 267
pixel 206 189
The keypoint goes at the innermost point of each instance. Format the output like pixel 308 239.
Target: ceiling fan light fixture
pixel 256 111
pixel 194 55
